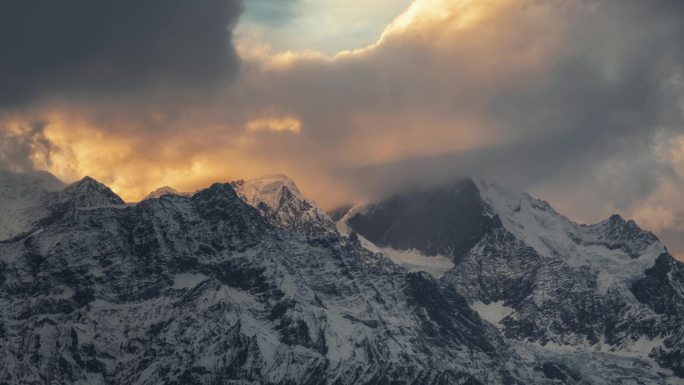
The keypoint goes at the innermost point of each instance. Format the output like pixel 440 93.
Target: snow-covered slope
pixel 88 193
pixel 278 199
pixel 575 285
pixel 562 283
pixel 207 289
pixel 23 200
pixel 27 201
pixel 201 289
pixel 617 249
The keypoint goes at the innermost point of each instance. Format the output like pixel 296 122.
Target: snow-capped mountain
pixel 88 193
pixel 29 199
pixel 23 198
pixel 538 276
pixel 206 289
pixel 202 289
pixel 278 199
pixel 158 193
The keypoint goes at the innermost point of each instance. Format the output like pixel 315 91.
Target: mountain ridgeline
pixel 250 282
pixel 608 287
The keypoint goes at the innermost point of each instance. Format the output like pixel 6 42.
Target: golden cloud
pixel 418 91
pixel 133 161
pixel 446 77
pixel 275 124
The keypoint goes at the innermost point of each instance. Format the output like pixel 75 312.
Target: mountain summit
pixel 547 279
pixel 161 191
pixel 250 283
pixel 278 199
pixel 202 289
pixel 88 193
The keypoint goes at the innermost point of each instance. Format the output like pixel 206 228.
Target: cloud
pixel 579 101
pixel 91 86
pixel 22 146
pixel 326 26
pixel 280 124
pixel 102 49
pixel 572 100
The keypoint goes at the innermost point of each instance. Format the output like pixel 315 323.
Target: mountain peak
pixel 616 218
pixel 164 190
pixel 88 192
pixel 279 200
pixel 219 189
pixel 88 179
pixel 87 182
pixel 267 190
pixel 618 233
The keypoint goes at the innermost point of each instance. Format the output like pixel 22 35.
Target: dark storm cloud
pixel 579 101
pixel 564 160
pixel 611 100
pixel 607 97
pixel 55 49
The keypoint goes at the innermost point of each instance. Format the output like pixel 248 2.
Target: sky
pixel 579 102
pixel 325 26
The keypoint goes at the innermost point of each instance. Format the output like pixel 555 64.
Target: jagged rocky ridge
pixel 278 199
pixel 608 287
pixel 206 289
pixel 202 289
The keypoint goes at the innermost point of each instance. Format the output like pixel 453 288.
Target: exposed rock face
pixel 446 221
pixel 662 289
pixel 610 286
pixel 87 193
pixel 207 289
pixel 203 289
pixel 278 199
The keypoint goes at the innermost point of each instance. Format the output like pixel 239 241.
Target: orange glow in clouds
pixel 191 146
pixel 134 165
pixel 275 124
pixel 131 165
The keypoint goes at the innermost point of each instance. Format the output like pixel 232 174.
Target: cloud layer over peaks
pixel 579 101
